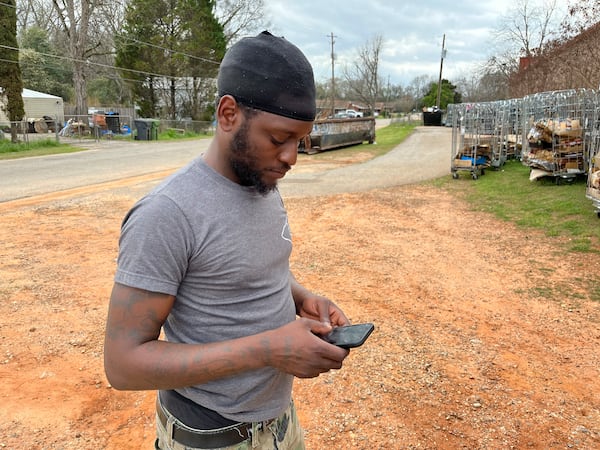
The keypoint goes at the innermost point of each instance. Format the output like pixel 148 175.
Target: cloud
pixel 412 33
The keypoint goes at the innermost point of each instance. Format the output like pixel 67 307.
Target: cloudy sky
pixel 412 31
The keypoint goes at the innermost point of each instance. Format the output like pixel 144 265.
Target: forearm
pixel 136 359
pixel 159 364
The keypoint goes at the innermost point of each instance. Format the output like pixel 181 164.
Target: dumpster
pixel 432 118
pixel 146 129
pixel 113 122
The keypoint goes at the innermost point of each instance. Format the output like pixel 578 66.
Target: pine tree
pixel 169 53
pixel 11 84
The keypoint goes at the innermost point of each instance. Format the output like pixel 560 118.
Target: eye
pixel 276 141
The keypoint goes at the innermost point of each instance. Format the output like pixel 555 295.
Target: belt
pixel 190 437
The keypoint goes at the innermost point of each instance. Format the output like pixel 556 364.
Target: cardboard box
pixel 463 163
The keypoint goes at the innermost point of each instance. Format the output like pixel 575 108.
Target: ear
pixel 228 113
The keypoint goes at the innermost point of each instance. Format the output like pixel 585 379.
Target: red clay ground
pixel 468 352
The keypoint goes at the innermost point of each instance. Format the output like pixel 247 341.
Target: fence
pixel 98 126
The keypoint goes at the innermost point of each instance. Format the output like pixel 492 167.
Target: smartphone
pixel 350 336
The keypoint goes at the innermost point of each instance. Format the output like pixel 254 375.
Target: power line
pixel 108 66
pixel 8 4
pixel 117 78
pixel 169 50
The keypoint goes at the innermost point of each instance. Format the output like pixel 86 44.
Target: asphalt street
pixel 423 155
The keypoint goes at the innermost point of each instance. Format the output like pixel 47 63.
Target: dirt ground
pixel 468 351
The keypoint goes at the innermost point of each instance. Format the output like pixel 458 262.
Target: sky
pixel 412 31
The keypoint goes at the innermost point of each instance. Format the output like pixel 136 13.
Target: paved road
pixel 424 155
pixel 104 161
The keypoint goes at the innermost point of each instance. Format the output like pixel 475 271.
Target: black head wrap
pixel 271 74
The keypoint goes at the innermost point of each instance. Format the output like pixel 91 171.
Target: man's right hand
pixel 297 349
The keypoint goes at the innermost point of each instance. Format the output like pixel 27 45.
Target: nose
pixel 289 153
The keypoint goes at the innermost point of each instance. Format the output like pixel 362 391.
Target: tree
pixel 37 13
pixel 417 89
pixel 42 68
pixel 363 76
pixel 169 52
pixel 581 14
pixel 239 17
pixel 528 27
pixel 526 31
pixel 75 21
pixel 204 43
pixel 87 25
pixel 138 54
pixel 449 94
pixel 11 84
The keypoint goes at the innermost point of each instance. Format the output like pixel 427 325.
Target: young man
pixel 205 257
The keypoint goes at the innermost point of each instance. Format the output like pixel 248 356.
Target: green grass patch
pixel 559 210
pixel 172 134
pixel 38 147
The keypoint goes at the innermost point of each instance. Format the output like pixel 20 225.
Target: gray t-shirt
pixel 223 251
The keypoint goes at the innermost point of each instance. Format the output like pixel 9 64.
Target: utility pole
pixel 332 76
pixel 439 87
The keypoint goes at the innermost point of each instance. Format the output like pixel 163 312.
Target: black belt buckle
pixel 206 439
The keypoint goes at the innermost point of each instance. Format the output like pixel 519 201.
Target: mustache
pixel 283 168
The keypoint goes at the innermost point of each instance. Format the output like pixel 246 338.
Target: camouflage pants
pixel 283 433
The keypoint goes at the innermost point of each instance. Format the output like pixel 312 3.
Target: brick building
pixel 574 64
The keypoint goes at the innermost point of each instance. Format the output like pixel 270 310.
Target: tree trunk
pixel 14 137
pixel 76 22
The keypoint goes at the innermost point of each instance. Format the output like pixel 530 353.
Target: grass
pixel 558 210
pixel 49 146
pixel 171 134
pixel 386 139
pixel 38 147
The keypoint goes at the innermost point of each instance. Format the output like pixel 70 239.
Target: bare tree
pixel 240 17
pixel 581 14
pixel 528 27
pixel 87 26
pixel 75 21
pixel 418 88
pixel 363 76
pixel 527 31
pixel 38 13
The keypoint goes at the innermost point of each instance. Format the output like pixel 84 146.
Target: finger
pixel 324 312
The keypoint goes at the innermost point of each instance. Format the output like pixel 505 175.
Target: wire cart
pixel 592 190
pixel 511 128
pixel 554 145
pixel 473 137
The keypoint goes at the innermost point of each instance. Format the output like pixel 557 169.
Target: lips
pixel 280 172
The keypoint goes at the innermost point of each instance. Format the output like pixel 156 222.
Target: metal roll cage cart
pixel 510 128
pixel 554 144
pixel 592 190
pixel 473 137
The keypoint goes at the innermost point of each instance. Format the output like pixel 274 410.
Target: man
pixel 205 257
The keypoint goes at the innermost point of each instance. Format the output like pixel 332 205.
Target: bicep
pixel 135 316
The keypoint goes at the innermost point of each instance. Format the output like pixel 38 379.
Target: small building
pixel 37 105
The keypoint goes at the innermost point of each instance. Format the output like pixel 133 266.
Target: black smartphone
pixel 350 336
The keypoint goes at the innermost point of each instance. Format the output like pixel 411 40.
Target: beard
pixel 244 163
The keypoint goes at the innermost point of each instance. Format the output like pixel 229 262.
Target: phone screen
pixel 350 336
